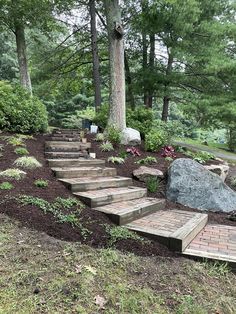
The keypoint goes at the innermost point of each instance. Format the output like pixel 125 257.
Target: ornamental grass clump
pixel 13 174
pixel 27 162
pixel 106 146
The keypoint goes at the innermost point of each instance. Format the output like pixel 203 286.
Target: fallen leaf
pixel 78 269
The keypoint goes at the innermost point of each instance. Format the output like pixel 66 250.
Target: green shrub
pixel 116 160
pixel 140 119
pixel 100 137
pixel 41 183
pixel 27 162
pixel 101 116
pixel 106 146
pixel 156 139
pixel 21 151
pixel 19 111
pixel 113 134
pixel 14 174
pixel 6 186
pixel 147 161
pixel 152 184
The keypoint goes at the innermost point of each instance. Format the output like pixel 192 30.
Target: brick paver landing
pixel 215 242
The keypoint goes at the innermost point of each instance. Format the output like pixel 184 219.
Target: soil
pixel 33 217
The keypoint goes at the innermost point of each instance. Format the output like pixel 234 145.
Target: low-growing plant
pixel 154 140
pixel 6 186
pixel 123 154
pixel 233 181
pixel 133 151
pixel 15 141
pixel 147 161
pixel 99 137
pixel 27 162
pixel 152 184
pixel 120 233
pixel 168 151
pixel 106 146
pixel 169 159
pixel 1 147
pixel 201 156
pixel 14 174
pixel 116 160
pixel 41 183
pixel 113 135
pixel 21 151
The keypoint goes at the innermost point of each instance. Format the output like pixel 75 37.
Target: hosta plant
pixel 147 161
pixel 116 160
pixel 168 151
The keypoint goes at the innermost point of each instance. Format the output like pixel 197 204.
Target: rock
pixel 130 136
pixel 221 170
pixel 190 184
pixel 143 173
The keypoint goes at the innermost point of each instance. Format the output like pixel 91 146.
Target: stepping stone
pixel 65 154
pixel 112 195
pixel 88 162
pixel 124 212
pixel 84 171
pixel 217 242
pixel 174 228
pixel 95 183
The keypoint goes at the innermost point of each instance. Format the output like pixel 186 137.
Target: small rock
pixel 130 136
pixel 221 170
pixel 143 173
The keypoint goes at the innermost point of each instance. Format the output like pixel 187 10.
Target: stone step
pixel 124 212
pixel 65 154
pixel 74 172
pixel 174 228
pixel 95 183
pixel 52 145
pixel 88 162
pixel 111 195
pixel 65 139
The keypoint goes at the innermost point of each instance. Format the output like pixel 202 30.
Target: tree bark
pixel 166 98
pixel 130 97
pixel 96 65
pixel 22 57
pixel 145 58
pixel 117 115
pixel 151 66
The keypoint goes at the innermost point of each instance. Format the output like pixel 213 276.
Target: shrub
pixel 154 140
pixel 27 162
pixel 133 151
pixel 102 116
pixel 6 186
pixel 147 161
pixel 100 137
pixel 116 160
pixel 19 111
pixel 113 135
pixel 106 146
pixel 21 151
pixel 14 174
pixel 152 184
pixel 140 119
pixel 41 183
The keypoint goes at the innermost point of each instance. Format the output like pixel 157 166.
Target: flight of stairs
pixel 103 190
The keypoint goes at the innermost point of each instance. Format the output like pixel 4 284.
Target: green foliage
pixel 27 162
pixel 140 119
pixel 123 154
pixel 201 156
pixel 21 151
pixel 152 184
pixel 41 183
pixel 116 160
pixel 15 141
pixel 156 139
pixel 106 146
pixel 147 161
pixel 19 111
pixel 6 186
pixel 99 137
pixel 102 116
pixel 113 135
pixel 169 159
pixel 14 174
pixel 233 181
pixel 120 233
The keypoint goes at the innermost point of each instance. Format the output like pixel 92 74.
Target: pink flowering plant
pixel 133 151
pixel 168 151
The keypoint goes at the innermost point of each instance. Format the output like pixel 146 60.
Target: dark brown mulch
pixel 130 165
pixel 33 217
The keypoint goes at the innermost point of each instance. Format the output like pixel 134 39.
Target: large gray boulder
pixel 190 184
pixel 130 136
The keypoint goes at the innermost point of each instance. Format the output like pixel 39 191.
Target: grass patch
pixel 13 174
pixel 27 162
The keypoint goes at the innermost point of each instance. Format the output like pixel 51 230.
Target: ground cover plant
pixel 21 151
pixel 13 174
pixel 41 183
pixel 27 162
pixel 116 160
pixel 147 161
pixel 106 146
pixel 6 186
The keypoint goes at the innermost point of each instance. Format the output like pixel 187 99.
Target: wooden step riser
pixel 67 145
pixel 65 149
pixel 109 199
pixel 86 173
pixel 66 139
pixel 67 156
pixel 83 187
pixel 142 212
pixel 75 163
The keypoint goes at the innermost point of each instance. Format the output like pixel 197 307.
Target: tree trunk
pixel 21 55
pixel 117 114
pixel 130 97
pixel 145 57
pixel 166 98
pixel 96 73
pixel 151 66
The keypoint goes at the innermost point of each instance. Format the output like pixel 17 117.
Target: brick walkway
pixel 216 242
